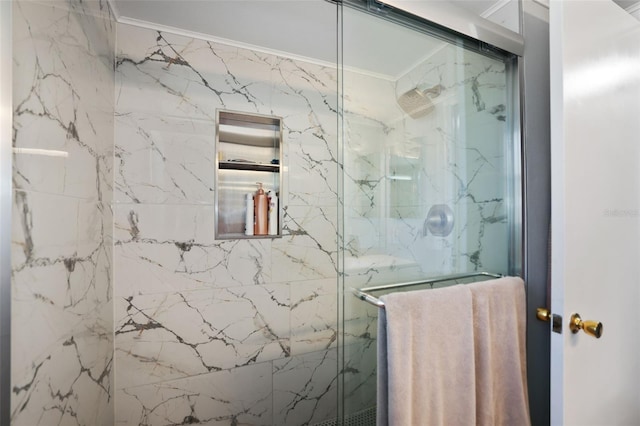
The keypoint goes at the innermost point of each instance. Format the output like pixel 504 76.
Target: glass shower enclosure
pixel 430 183
pixel 400 163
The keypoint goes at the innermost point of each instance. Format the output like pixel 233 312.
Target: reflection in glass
pixel 430 160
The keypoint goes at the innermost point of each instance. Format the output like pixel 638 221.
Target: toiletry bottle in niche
pixel 261 207
pixel 249 222
pixel 273 213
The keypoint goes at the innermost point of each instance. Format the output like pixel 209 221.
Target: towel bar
pixel 363 294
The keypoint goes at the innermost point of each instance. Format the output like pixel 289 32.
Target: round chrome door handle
pixel 592 328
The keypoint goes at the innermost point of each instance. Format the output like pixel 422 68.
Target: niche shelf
pixel 248 150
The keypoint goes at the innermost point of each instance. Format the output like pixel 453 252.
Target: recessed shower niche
pixel 248 175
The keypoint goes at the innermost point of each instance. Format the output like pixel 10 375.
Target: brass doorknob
pixel 543 314
pixel 592 328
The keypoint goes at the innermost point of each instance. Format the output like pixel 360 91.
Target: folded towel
pixel 428 378
pixel 453 356
pixel 499 309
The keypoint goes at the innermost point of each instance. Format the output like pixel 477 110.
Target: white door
pixel 595 147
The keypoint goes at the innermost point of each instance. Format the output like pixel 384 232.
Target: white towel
pixel 453 356
pixel 499 321
pixel 427 341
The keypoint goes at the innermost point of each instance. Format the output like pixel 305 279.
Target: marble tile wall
pixel 220 331
pixel 62 310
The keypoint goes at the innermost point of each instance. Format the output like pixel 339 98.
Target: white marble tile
pixel 314 315
pixel 58 279
pixel 308 248
pixel 360 378
pixel 165 336
pixel 185 77
pixel 64 167
pixel 148 80
pixel 360 320
pixel 485 78
pixel 371 100
pixel 63 100
pixel 305 96
pixel 167 248
pixel 305 389
pixel 484 241
pixel 482 173
pixel 241 396
pixel 62 325
pixel 363 193
pixel 164 160
pixel 69 383
pixel 162 252
pixel 68 235
pixel 88 9
pixel 363 235
pixel 44 227
pixel 360 334
pixel 367 190
pixel 164 223
pixel 312 168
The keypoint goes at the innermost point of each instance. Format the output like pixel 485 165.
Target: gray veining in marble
pixel 191 310
pixel 62 319
pixel 120 216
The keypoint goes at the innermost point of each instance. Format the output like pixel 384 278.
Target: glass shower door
pixel 430 184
